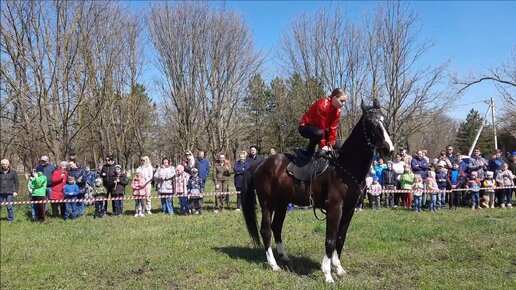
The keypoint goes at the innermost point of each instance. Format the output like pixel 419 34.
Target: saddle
pixel 304 169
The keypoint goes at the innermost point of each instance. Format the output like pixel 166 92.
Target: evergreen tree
pixel 258 106
pixel 468 130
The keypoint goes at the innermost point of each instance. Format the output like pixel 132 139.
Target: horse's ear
pixel 363 106
pixel 376 104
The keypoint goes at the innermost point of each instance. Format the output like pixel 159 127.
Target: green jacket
pixel 406 180
pixel 39 185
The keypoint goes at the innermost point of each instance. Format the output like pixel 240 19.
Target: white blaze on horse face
pixel 326 269
pixel 271 261
pixel 386 136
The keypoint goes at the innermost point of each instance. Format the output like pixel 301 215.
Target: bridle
pixel 366 136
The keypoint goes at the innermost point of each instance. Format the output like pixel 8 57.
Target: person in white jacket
pixel 164 177
pixel 148 173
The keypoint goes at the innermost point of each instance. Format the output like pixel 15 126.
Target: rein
pixel 335 162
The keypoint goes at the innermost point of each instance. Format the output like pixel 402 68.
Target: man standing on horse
pixel 319 124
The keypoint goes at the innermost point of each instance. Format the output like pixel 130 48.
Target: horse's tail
pixel 249 206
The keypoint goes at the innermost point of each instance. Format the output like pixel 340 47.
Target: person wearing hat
pixel 72 155
pixel 107 173
pixel 253 157
pixel 9 187
pixel 163 177
pixel 47 169
pixel 490 184
pixel 39 187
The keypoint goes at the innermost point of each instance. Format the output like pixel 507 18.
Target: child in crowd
pixel 406 181
pixel 119 191
pixel 180 183
pixel 99 191
pixel 490 184
pixel 418 187
pixel 138 185
pixel 473 185
pixel 390 180
pixel 505 178
pixel 455 177
pixel 29 189
pixel 39 187
pixel 375 191
pixel 71 191
pixel 194 190
pixel 441 177
pixel 433 190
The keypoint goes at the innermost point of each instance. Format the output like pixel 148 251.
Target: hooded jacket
pixel 58 183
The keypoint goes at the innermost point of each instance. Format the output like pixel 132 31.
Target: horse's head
pixel 375 129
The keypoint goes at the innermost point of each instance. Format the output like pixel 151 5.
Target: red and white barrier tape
pixel 434 191
pixel 117 198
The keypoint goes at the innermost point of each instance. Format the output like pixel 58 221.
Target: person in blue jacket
pixel 71 191
pixel 203 166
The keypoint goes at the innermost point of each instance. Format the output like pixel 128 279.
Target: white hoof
pixel 276 268
pixel 329 280
pixel 340 272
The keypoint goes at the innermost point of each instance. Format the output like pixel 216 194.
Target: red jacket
pixel 58 183
pixel 324 116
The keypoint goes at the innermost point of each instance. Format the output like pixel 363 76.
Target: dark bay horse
pixel 336 191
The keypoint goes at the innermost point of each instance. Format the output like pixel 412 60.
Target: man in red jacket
pixel 319 124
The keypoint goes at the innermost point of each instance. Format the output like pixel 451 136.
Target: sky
pixel 472 35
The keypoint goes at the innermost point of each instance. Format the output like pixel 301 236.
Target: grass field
pixel 385 250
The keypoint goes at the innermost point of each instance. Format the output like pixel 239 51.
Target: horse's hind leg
pixel 277 226
pixel 265 230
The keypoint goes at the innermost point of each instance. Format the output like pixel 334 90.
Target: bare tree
pixel 504 78
pixel 411 92
pixel 207 58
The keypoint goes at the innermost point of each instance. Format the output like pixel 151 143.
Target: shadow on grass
pixel 300 265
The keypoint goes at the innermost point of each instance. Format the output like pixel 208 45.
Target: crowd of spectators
pixel 418 182
pixel 71 181
pixel 426 183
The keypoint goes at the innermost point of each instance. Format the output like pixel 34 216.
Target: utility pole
pixel 481 128
pixel 493 117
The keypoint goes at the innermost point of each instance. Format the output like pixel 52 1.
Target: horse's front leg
pixel 341 238
pixel 265 231
pixel 334 214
